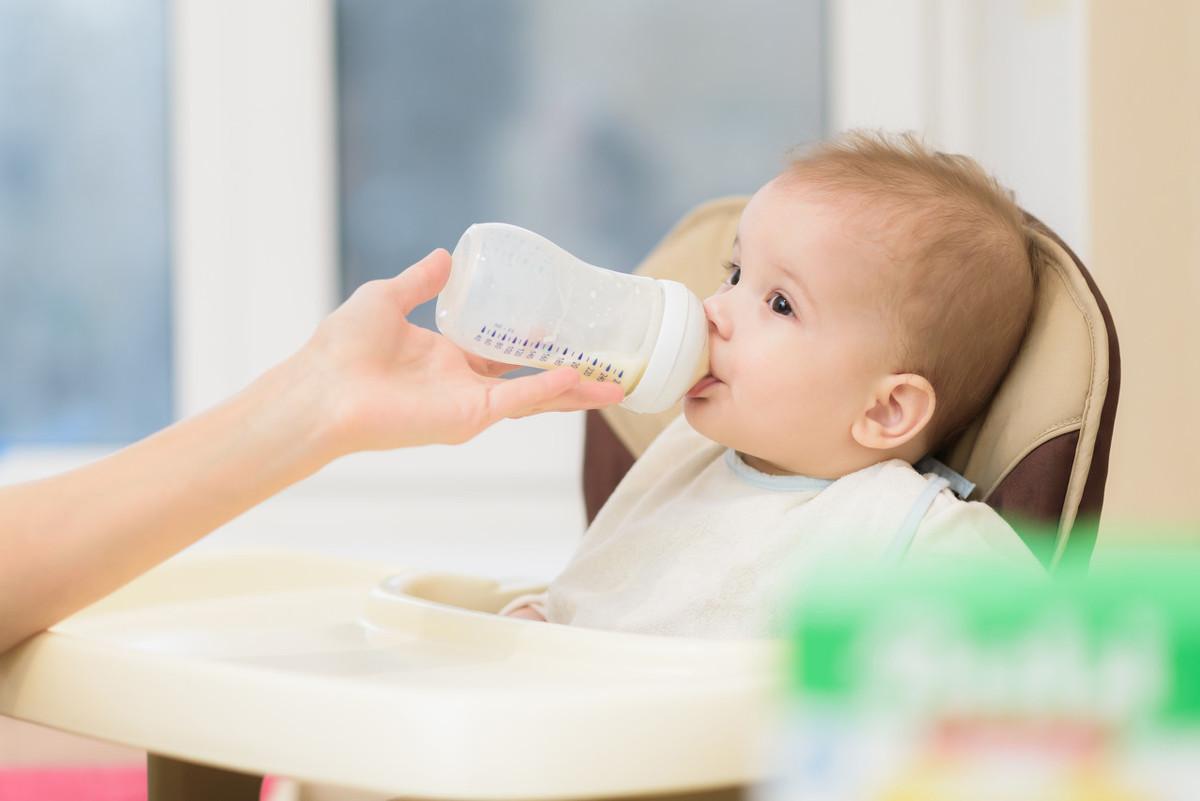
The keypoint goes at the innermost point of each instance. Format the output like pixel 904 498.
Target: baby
pixel 876 293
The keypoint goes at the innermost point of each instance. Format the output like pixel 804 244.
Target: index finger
pixel 422 281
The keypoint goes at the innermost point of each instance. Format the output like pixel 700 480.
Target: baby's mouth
pixel 700 386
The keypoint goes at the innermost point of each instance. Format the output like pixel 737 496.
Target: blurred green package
pixel 972 683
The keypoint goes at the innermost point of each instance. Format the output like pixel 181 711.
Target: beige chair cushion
pixel 1056 386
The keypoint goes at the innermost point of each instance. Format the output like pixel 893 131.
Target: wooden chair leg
pixel 174 780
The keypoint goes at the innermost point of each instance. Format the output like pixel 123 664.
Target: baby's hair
pixel 961 296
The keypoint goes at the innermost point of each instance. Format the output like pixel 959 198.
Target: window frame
pixel 284 268
pixel 970 77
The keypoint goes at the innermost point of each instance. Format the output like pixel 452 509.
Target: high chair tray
pixel 330 671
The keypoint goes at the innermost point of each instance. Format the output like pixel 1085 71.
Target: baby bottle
pixel 516 297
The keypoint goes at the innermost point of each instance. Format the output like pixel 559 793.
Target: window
pixel 597 124
pixel 85 337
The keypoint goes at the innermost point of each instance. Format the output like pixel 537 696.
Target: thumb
pixel 516 397
pixel 422 281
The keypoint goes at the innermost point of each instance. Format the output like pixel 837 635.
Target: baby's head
pixel 877 293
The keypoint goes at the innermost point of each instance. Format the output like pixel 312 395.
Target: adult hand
pixel 387 383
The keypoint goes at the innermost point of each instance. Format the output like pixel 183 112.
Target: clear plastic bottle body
pixel 519 298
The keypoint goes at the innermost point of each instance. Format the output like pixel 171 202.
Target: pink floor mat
pixel 90 783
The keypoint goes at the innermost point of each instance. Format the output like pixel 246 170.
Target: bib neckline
pixel 792 483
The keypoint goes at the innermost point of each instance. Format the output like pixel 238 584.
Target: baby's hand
pixel 526 613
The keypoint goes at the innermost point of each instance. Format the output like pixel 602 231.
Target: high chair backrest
pixel 1038 454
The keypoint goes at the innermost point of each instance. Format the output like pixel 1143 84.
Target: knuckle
pixel 369 288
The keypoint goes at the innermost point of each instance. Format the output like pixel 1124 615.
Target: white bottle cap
pixel 680 355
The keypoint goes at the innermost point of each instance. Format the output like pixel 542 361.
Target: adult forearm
pixel 70 540
pixel 367 380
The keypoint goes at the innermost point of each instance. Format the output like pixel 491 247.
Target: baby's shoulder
pixel 904 480
pixel 891 477
pixel 950 527
pixel 956 528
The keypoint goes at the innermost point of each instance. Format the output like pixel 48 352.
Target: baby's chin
pixel 716 425
pixel 706 421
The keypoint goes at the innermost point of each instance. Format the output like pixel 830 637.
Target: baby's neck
pixel 772 469
pixel 763 466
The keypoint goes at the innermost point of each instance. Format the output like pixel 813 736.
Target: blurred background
pixel 187 187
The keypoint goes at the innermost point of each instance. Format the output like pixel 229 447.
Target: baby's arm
pixel 530 606
pixel 527 613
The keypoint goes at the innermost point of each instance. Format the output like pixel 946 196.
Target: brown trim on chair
pixel 606 460
pixel 1082 540
pixel 1032 495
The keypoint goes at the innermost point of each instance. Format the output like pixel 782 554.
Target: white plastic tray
pixel 328 671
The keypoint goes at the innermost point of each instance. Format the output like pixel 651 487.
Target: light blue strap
pixel 788 483
pixel 957 482
pixel 908 529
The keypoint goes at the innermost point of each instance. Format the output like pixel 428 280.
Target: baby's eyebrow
pixel 806 296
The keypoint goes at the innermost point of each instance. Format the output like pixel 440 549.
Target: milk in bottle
pixel 515 297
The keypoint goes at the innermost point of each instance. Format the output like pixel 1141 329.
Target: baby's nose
pixel 718 319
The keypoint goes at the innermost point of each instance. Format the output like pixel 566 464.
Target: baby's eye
pixel 735 273
pixel 780 305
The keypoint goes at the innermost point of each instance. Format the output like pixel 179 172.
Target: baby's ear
pixel 898 410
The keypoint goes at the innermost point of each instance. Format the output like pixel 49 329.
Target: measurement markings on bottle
pixel 507 343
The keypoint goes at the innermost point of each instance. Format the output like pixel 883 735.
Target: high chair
pixel 226 668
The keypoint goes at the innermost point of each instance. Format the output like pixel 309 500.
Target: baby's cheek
pixel 798 392
pixel 767 371
pixel 780 379
pixel 778 401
